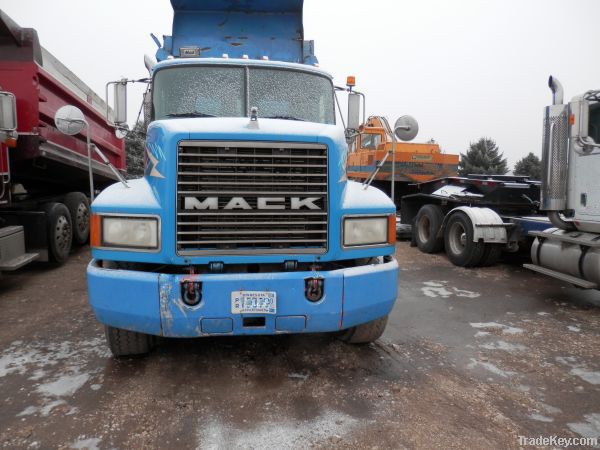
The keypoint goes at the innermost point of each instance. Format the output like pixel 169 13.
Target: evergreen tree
pixel 529 165
pixel 135 143
pixel 483 157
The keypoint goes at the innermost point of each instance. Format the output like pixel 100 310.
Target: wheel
pixel 127 343
pixel 491 255
pixel 60 234
pixel 458 240
pixel 365 333
pixel 427 226
pixel 79 207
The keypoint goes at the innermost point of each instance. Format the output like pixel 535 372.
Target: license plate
pixel 253 302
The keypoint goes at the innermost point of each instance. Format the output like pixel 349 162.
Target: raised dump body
pixel 44 160
pixel 44 173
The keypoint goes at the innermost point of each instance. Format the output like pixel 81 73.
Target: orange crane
pixel 415 163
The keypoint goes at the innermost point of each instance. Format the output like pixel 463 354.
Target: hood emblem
pixel 152 165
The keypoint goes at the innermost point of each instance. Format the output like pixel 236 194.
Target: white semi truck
pixel 570 190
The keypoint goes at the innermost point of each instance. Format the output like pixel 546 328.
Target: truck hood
pixel 244 128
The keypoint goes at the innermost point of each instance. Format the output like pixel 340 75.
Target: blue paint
pixel 153 195
pixel 292 324
pixel 124 299
pixel 150 302
pixel 255 28
pixel 217 326
pixel 135 300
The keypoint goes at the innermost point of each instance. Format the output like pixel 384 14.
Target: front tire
pixel 365 333
pixel 128 343
pixel 458 240
pixel 427 226
pixel 59 231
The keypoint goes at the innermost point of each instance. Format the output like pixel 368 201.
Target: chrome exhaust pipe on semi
pixel 557 90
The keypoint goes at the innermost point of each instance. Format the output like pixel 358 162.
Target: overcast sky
pixel 464 68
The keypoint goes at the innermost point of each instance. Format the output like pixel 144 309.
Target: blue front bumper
pixel 151 303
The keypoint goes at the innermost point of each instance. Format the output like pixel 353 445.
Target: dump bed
pixel 44 157
pixel 257 29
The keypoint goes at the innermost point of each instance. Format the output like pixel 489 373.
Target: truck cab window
pixel 594 126
pixel 214 91
pixel 210 91
pixel 370 141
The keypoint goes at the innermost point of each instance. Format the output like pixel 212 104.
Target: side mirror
pixel 120 105
pixel 120 102
pixel 8 112
pixel 353 111
pixel 69 120
pixel 406 128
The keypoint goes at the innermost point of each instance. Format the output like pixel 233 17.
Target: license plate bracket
pixel 253 302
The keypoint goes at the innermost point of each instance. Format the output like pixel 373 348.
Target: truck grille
pixel 251 197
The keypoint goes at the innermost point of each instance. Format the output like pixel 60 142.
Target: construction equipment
pixel 43 172
pixel 408 164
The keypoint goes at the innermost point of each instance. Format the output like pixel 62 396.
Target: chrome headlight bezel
pixel 382 241
pixel 104 243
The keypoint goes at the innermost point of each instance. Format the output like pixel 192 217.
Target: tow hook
pixel 191 292
pixel 314 288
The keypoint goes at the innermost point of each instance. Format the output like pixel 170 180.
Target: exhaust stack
pixel 555 152
pixel 557 90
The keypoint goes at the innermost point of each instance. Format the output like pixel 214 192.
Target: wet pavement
pixel 470 359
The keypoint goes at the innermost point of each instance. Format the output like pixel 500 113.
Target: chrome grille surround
pixel 251 170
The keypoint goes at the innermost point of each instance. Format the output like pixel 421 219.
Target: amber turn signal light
pixel 95 230
pixel 392 229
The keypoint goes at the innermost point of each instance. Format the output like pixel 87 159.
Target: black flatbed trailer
pixel 475 217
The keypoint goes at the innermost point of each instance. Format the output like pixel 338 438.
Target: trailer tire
pixel 59 232
pixel 491 255
pixel 365 333
pixel 426 228
pixel 458 240
pixel 128 343
pixel 79 207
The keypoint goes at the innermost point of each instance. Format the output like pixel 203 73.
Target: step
pixel 562 276
pixel 18 262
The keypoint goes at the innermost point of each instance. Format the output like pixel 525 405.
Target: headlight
pixel 368 230
pixel 125 232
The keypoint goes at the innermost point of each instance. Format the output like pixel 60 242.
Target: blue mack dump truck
pixel 244 222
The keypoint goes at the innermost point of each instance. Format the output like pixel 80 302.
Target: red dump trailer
pixel 44 173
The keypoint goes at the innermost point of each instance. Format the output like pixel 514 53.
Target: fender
pixel 487 224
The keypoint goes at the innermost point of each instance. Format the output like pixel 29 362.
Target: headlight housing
pixel 369 231
pixel 140 233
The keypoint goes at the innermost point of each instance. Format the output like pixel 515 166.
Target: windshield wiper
pixel 190 114
pixel 285 118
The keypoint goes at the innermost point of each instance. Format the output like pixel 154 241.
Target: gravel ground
pixel 470 359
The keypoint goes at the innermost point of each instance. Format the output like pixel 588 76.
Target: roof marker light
pixel 265 58
pixel 245 57
pixel 225 56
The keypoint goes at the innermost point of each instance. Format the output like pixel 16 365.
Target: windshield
pixel 230 91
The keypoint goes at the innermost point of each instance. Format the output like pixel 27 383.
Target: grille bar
pixel 211 164
pixel 242 155
pixel 252 213
pixel 245 177
pixel 253 224
pixel 263 183
pixel 253 174
pixel 284 243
